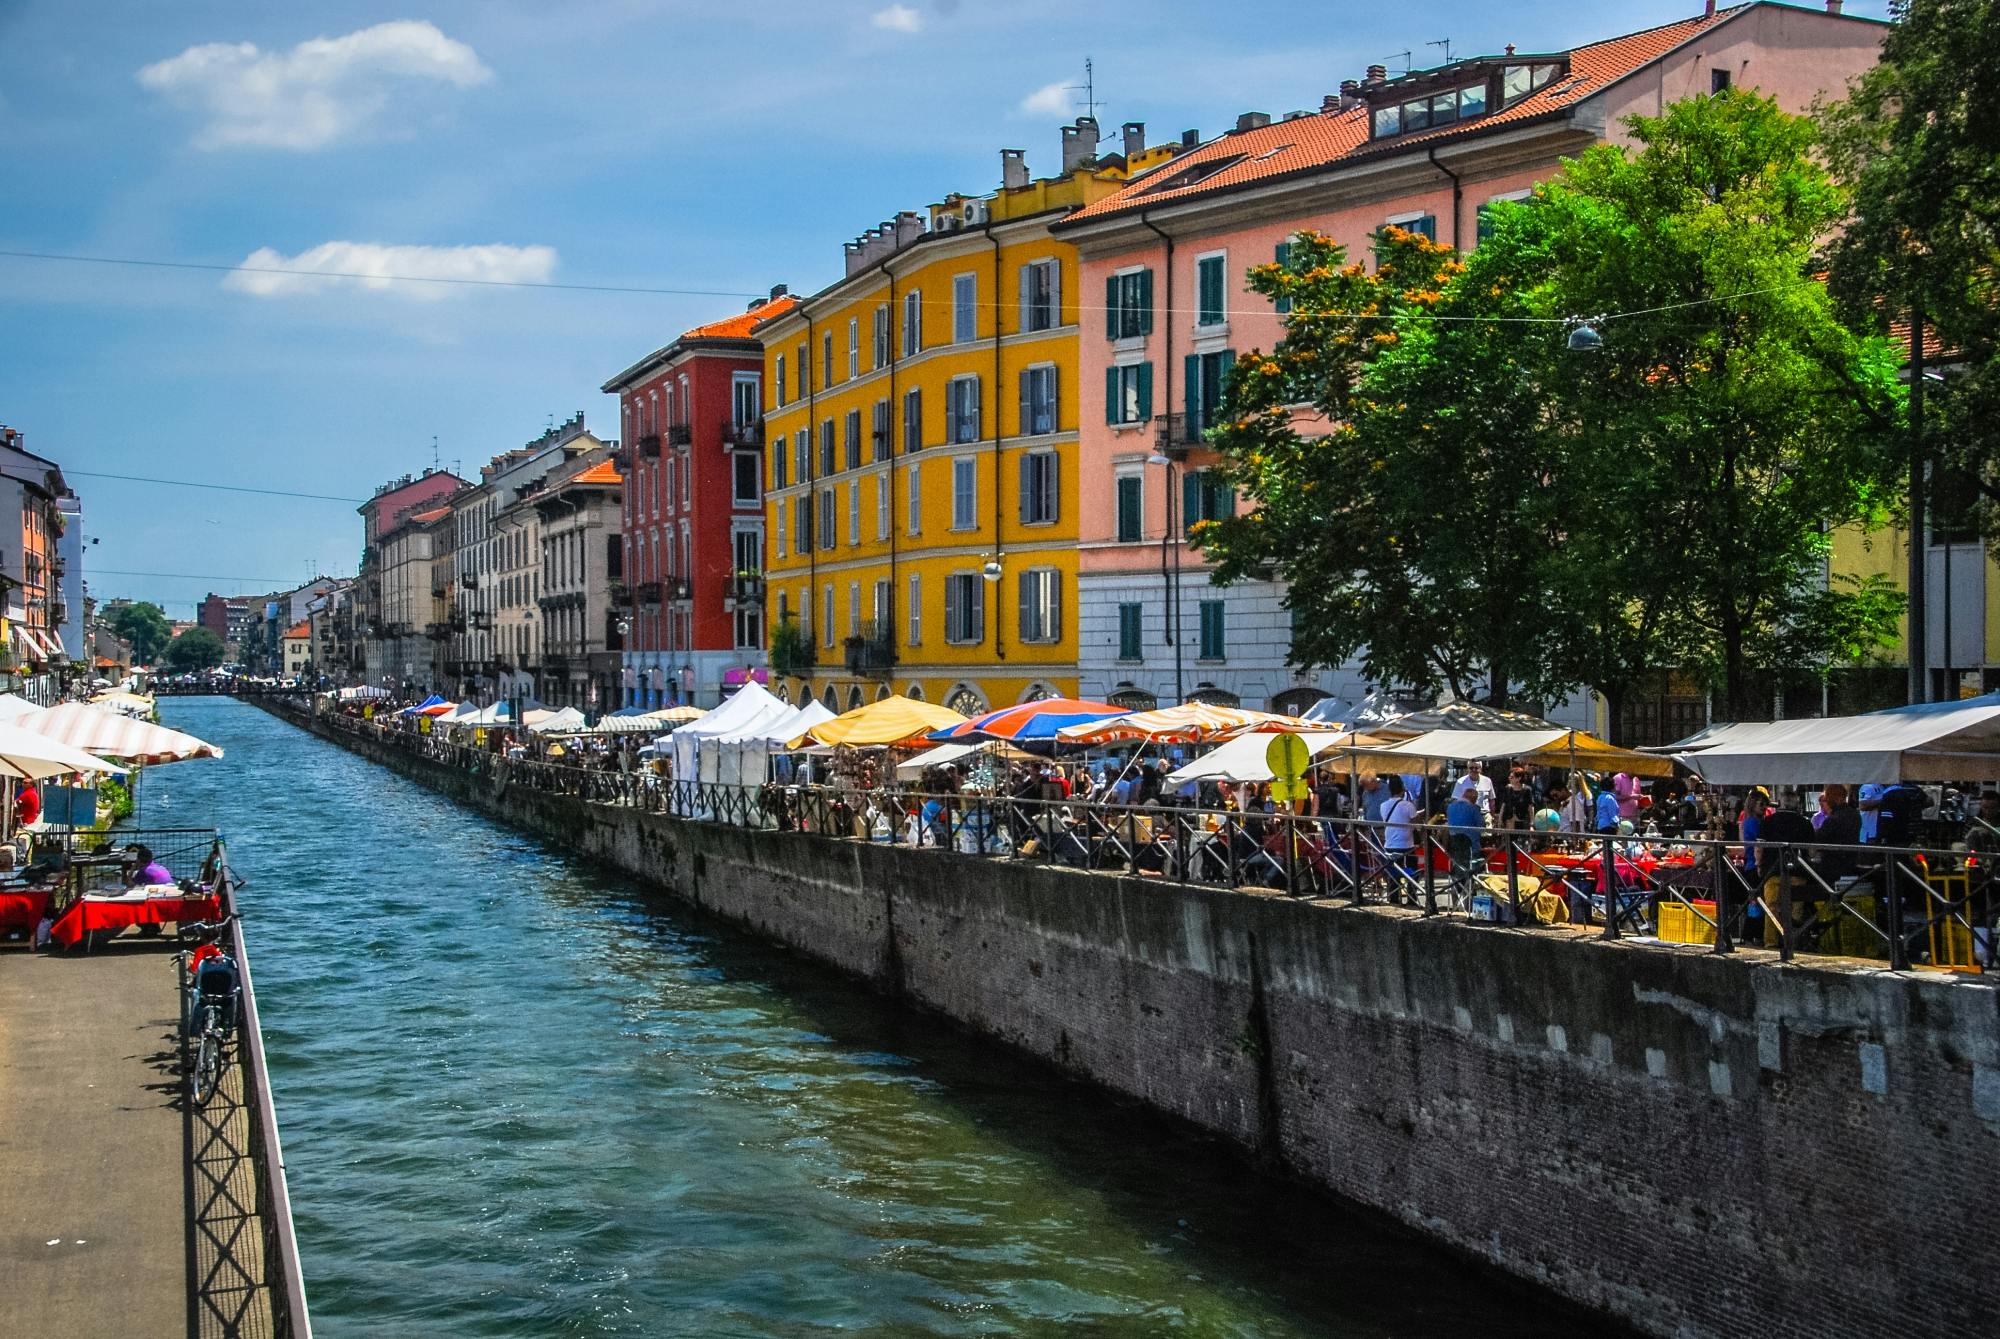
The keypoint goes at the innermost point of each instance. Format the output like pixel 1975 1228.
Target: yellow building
pixel 921 424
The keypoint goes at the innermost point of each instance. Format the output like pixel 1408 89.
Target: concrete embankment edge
pixel 1700 1146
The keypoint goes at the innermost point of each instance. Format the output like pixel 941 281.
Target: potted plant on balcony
pixel 791 648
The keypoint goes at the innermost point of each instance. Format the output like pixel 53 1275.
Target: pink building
pixel 1427 151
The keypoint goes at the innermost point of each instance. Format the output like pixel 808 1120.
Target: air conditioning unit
pixel 949 223
pixel 976 213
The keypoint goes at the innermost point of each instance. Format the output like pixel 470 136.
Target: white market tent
pixel 14 707
pixel 752 706
pixel 569 718
pixel 1936 741
pixel 1244 757
pixel 363 693
pixel 744 759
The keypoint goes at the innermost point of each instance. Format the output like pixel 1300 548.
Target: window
pixel 880 446
pixel 853 346
pixel 854 609
pixel 1038 401
pixel 805 373
pixel 826 360
pixel 882 505
pixel 913 420
pixel 915 499
pixel 782 502
pixel 1041 299
pixel 1131 495
pixel 687 482
pixel 964 493
pixel 1203 391
pixel 1718 81
pixel 1041 605
pixel 802 530
pixel 916 609
pixel 1517 81
pixel 1211 306
pixel 826 622
pixel 746 399
pixel 913 323
pixel 827 529
pixel 852 434
pixel 879 611
pixel 747 490
pixel 781 380
pixel 964 308
pixel 1211 630
pixel 1128 303
pixel 854 513
pixel 1128 393
pixel 825 448
pixel 1205 498
pixel 779 460
pixel 1425 225
pixel 1437 109
pixel 961 409
pixel 881 335
pixel 1130 622
pixel 1040 480
pixel 964 608
pixel 1282 257
pixel 802 456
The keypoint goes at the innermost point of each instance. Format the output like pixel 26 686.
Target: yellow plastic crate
pixel 1680 925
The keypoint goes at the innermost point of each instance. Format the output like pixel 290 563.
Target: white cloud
pixel 372 265
pixel 320 91
pixel 1048 100
pixel 898 18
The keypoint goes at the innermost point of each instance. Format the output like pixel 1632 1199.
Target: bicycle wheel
pixel 207 1066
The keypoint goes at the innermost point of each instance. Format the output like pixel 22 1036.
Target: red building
pixel 694 512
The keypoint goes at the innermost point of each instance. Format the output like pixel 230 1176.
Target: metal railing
pixel 1903 905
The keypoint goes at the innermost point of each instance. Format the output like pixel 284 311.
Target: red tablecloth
pixel 115 913
pixel 1632 872
pixel 23 909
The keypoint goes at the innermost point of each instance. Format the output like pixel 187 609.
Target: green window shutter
pixel 1128 509
pixel 1128 631
pixel 1145 390
pixel 1192 484
pixel 1111 305
pixel 1111 395
pixel 1191 392
pixel 1284 257
pixel 1145 302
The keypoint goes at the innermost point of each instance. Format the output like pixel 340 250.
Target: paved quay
pixel 120 1214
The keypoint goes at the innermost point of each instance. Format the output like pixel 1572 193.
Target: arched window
pixel 966 700
pixel 1038 692
pixel 1213 696
pixel 1294 701
pixel 882 692
pixel 853 697
pixel 831 698
pixel 1132 697
pixel 915 693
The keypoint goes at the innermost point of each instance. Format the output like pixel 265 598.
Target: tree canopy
pixel 145 628
pixel 195 649
pixel 1473 500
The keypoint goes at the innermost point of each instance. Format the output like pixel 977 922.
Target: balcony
pixel 873 652
pixel 621 595
pixel 679 434
pixel 746 587
pixel 679 589
pixel 468 581
pixel 742 434
pixel 649 595
pixel 649 445
pixel 1177 432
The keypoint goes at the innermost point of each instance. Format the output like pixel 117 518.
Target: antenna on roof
pixel 1088 88
pixel 1444 42
pixel 1406 59
pixel 434 451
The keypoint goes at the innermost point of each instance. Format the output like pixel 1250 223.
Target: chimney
pixel 1833 6
pixel 909 227
pixel 779 291
pixel 1510 48
pixel 1378 74
pixel 1332 102
pixel 1079 143
pixel 1190 139
pixel 1708 10
pixel 1350 93
pixel 1013 169
pixel 1135 139
pixel 1252 121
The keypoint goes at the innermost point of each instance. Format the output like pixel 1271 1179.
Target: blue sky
pixel 680 144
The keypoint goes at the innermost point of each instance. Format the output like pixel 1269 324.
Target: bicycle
pixel 211 998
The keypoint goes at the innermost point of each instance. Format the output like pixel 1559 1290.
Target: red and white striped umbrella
pixel 1189 723
pixel 110 735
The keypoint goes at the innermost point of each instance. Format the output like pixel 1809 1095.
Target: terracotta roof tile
pixel 299 632
pixel 603 472
pixel 738 326
pixel 1326 139
pixel 426 517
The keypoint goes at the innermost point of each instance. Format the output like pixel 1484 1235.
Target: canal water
pixel 521 1097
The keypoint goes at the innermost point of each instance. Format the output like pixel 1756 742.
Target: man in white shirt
pixel 1476 786
pixel 1399 840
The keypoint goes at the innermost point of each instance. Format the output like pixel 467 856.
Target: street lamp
pixel 1171 579
pixel 1584 336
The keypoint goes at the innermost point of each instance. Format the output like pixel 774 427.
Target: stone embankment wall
pixel 1699 1145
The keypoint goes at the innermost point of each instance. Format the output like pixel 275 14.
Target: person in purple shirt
pixel 146 869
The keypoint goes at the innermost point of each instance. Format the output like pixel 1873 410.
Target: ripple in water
pixel 523 1098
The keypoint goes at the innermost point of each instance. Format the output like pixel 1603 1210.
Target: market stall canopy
pixel 553 722
pixel 1246 757
pixel 502 713
pixel 1936 741
pixel 946 753
pixel 30 756
pixel 14 707
pixel 1457 715
pixel 751 705
pixel 1545 746
pixel 429 706
pixel 893 720
pixel 1189 723
pixel 110 735
pixel 677 715
pixel 618 725
pixel 129 704
pixel 1030 720
pixel 366 692
pixel 807 718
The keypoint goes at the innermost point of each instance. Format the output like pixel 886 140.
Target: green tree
pixel 1478 501
pixel 195 649
pixel 145 628
pixel 1918 143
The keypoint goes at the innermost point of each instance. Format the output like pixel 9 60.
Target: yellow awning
pixel 889 721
